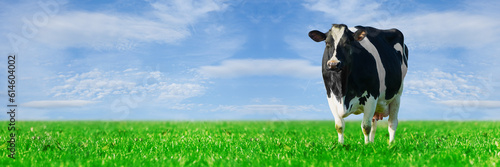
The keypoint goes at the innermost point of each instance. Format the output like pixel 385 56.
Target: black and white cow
pixel 363 72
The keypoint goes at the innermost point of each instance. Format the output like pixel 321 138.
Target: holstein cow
pixel 363 73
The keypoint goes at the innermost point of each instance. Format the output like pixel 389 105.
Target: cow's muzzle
pixel 335 65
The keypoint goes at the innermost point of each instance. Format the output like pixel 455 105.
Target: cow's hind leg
pixel 393 118
pixel 366 124
pixel 374 129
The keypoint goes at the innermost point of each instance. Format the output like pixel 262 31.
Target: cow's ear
pixel 317 36
pixel 359 35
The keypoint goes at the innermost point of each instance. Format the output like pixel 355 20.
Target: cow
pixel 363 72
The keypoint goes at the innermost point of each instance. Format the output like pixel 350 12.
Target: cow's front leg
pixel 339 126
pixel 337 108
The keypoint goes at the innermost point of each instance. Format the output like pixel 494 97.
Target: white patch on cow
pixel 337 107
pixel 337 33
pixel 353 29
pixel 399 48
pixel 380 67
pixel 404 68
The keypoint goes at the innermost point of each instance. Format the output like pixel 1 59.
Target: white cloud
pixel 57 103
pixel 97 85
pixel 471 103
pixel 93 85
pixel 183 12
pixel 82 29
pixel 447 29
pixel 169 22
pixel 347 11
pixel 179 91
pixel 262 67
pixel 265 100
pixel 439 85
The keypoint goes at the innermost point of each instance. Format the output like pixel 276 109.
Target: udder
pixel 381 111
pixel 380 116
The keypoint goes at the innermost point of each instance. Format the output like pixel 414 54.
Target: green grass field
pixel 249 143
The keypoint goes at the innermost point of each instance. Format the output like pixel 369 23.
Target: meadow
pixel 249 143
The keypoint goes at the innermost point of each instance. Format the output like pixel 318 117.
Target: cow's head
pixel 339 42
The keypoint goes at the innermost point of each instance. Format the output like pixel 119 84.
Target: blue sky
pixel 242 60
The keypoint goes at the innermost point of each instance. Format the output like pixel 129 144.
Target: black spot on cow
pixel 362 100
